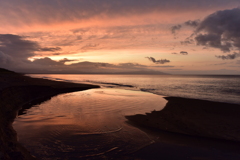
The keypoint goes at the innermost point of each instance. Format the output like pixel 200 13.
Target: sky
pixel 120 36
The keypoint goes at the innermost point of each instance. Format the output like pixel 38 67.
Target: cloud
pixel 50 49
pixel 134 65
pixel 175 28
pixel 229 56
pixel 160 61
pixel 89 47
pixel 187 41
pixel 15 46
pixel 193 23
pixel 56 54
pixel 220 30
pixel 213 40
pixel 46 61
pixel 184 53
pixel 18 47
pixel 4 59
pixel 47 65
pixel 46 12
pixel 49 62
pixel 15 51
pixel 66 60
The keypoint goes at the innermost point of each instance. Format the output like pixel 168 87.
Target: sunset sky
pixel 112 36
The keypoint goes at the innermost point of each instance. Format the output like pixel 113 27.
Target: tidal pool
pixel 88 124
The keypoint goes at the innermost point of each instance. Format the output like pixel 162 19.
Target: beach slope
pixel 18 92
pixel 194 117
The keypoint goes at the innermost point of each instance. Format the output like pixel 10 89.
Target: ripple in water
pixel 88 124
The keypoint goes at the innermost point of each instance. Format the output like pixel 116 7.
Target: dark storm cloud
pixel 229 56
pixel 193 23
pixel 220 30
pixel 184 53
pixel 160 61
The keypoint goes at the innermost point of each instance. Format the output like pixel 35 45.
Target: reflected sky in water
pixel 213 88
pixel 86 124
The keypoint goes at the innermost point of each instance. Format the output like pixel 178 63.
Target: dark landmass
pixel 18 91
pixel 194 117
pixel 5 71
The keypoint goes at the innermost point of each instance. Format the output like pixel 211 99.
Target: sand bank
pixel 194 117
pixel 18 91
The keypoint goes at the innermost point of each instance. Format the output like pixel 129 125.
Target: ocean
pixel 217 88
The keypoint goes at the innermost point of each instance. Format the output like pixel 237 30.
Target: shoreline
pixel 20 92
pixel 181 116
pixel 193 117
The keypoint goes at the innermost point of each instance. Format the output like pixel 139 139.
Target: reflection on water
pixel 213 88
pixel 88 124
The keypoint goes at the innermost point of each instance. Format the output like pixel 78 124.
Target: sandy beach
pixel 18 92
pixel 192 129
pixel 187 127
pixel 194 117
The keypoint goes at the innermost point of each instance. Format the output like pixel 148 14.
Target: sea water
pixel 209 87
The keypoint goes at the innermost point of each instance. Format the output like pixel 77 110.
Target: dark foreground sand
pixel 194 117
pixel 191 129
pixel 16 92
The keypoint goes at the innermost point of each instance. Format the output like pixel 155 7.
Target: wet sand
pixel 191 129
pixel 194 117
pixel 18 91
